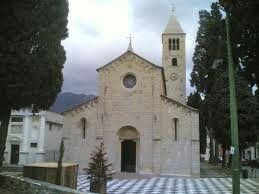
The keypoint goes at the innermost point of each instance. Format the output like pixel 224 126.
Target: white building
pixel 33 138
pixel 251 153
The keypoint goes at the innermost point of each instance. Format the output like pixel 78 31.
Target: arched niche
pixel 128 132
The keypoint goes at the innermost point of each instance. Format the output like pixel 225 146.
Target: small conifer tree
pixel 59 169
pixel 99 169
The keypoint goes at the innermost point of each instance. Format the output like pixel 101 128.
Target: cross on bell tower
pixel 172 8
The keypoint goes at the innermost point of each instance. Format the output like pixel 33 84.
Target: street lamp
pixel 233 106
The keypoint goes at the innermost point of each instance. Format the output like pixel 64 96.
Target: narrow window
pixel 177 44
pixel 174 61
pixel 174 46
pixel 34 145
pixel 175 123
pixel 170 44
pixel 16 119
pixel 83 127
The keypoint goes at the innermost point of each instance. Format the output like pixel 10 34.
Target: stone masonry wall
pixel 23 185
pixel 176 89
pixel 142 108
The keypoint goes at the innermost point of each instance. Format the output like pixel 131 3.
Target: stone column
pixel 41 142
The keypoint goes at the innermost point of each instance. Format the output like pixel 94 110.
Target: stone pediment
pixel 125 55
pixel 184 106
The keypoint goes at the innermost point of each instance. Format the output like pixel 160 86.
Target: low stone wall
pixel 21 185
pixel 47 172
pixel 11 168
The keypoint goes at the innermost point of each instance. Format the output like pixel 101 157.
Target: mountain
pixel 68 100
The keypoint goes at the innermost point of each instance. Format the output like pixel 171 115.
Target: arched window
pixel 177 44
pixel 174 42
pixel 175 128
pixel 170 44
pixel 83 125
pixel 174 61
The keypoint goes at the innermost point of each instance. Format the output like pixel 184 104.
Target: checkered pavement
pixel 165 185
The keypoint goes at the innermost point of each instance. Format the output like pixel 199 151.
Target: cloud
pixel 83 80
pixel 149 15
pixel 98 31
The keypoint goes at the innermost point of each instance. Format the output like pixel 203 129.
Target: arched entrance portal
pixel 129 138
pixel 128 156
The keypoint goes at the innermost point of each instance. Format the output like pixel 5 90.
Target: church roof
pixel 173 26
pixel 179 103
pixel 92 100
pixel 129 51
pixel 154 65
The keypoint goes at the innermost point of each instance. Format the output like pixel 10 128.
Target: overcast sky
pixel 98 31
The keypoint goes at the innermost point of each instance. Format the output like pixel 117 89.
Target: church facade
pixel 140 114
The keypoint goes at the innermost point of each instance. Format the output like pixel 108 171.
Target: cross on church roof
pixel 130 40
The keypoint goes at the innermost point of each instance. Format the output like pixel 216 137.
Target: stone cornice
pixel 179 103
pixel 154 65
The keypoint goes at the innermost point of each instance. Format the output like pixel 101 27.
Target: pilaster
pixel 42 133
pixel 26 126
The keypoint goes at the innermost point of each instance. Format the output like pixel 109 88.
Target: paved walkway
pixel 211 182
pixel 252 174
pixel 208 171
pixel 162 185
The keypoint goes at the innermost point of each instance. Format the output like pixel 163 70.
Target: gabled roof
pixel 173 26
pixel 94 99
pixel 179 103
pixel 129 51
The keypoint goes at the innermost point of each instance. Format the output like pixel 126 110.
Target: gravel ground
pixel 2 191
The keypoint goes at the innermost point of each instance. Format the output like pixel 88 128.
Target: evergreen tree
pixel 212 81
pixel 59 168
pixel 210 48
pixel 246 105
pixel 257 116
pixel 245 35
pixel 194 100
pixel 218 104
pixel 99 169
pixel 32 56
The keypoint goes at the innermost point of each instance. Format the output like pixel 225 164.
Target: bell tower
pixel 173 59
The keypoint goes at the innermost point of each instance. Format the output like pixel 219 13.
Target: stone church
pixel 140 114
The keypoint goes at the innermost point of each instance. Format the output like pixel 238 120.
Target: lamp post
pixel 233 109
